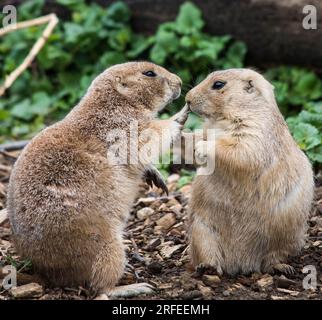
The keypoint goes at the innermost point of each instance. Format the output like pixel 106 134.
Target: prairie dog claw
pixel 153 176
pixel 284 268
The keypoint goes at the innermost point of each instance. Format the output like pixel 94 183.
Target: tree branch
pixel 52 20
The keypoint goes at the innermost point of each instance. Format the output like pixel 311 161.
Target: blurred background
pixel 189 38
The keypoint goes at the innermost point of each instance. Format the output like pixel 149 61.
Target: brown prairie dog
pixel 67 202
pixel 250 213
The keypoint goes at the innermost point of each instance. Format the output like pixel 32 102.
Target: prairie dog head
pixel 140 83
pixel 231 94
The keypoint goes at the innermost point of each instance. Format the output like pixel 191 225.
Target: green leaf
pixel 139 45
pixel 119 39
pixel 20 130
pixel 51 56
pixel 309 85
pixel 312 118
pixel 235 55
pixel 315 155
pixel 194 122
pixel 306 135
pixel 72 4
pixel 167 40
pixel 186 178
pixel 21 110
pixel 209 49
pixel 40 103
pixel 4 114
pixel 30 9
pixel 158 54
pixel 184 75
pixel 111 58
pixel 119 11
pixel 189 19
pixel 73 32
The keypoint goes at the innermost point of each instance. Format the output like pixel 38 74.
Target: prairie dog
pixel 250 214
pixel 67 201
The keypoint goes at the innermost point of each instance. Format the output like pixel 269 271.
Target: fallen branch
pixel 13 146
pixel 52 20
pixel 3 216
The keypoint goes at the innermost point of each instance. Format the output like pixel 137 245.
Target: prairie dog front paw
pixel 201 152
pixel 182 116
pixel 178 121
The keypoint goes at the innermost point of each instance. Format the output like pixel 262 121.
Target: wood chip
pixel 211 280
pixel 30 290
pixel 290 292
pixel 4 232
pixel 316 243
pixel 143 213
pixel 167 221
pixel 265 281
pixel 168 251
pixel 283 282
pixel 3 216
pixel 145 201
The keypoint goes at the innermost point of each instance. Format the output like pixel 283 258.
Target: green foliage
pixel 306 128
pixel 298 92
pixel 23 265
pixel 184 48
pixel 90 41
pixel 94 37
pixel 294 87
pixel 79 49
pixel 186 177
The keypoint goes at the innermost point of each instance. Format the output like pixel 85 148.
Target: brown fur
pixel 250 213
pixel 67 203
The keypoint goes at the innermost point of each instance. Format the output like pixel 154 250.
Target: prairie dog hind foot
pixel 284 268
pixel 203 268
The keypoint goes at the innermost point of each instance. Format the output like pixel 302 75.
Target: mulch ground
pixel 156 242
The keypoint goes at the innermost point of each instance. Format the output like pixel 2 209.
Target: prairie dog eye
pixel 218 85
pixel 149 73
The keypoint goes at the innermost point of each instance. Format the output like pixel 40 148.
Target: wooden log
pixel 272 29
pixel 13 146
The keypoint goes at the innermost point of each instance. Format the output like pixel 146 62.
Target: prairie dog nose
pixel 180 81
pixel 188 98
pixel 175 81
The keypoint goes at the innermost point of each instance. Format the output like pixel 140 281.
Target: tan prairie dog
pixel 250 213
pixel 68 202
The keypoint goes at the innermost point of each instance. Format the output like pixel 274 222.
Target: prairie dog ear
pixel 119 81
pixel 249 86
pixel 262 87
pixel 120 85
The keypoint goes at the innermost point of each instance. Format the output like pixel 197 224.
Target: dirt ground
pixel 156 241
